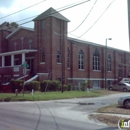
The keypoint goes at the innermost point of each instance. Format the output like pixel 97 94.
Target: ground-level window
pixel 96 84
pixel 109 82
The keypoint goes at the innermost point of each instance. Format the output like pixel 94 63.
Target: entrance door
pixel 30 63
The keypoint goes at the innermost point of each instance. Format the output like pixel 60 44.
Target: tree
pixel 14 24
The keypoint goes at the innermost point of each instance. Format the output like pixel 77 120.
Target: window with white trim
pixel 81 60
pixel 109 63
pixel 96 60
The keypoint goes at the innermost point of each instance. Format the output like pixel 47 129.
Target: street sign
pixel 25 65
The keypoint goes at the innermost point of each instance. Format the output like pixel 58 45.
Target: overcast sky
pixel 113 24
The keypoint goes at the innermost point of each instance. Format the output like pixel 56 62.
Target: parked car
pixel 120 87
pixel 124 101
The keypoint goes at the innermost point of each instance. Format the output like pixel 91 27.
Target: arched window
pixel 68 58
pixel 81 60
pixel 96 60
pixel 58 57
pixel 42 55
pixel 109 63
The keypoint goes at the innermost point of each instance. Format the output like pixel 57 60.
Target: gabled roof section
pixel 19 28
pixel 51 13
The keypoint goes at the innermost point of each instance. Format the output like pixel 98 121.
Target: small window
pixel 30 44
pixel 15 46
pixel 42 55
pixel 58 57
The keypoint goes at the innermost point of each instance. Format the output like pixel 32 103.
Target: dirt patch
pixel 109 120
pixel 114 109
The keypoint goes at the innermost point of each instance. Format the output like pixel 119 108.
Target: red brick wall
pixel 17 38
pixel 51 34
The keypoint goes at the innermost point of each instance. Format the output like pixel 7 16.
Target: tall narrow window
pixel 68 58
pixel 30 44
pixel 15 44
pixel 109 63
pixel 42 55
pixel 96 60
pixel 58 57
pixel 81 60
pixel 120 71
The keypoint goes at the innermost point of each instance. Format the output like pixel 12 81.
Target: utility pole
pixel 106 61
pixel 62 59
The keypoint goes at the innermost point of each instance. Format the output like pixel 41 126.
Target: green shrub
pixel 35 85
pixel 70 87
pixel 16 84
pixel 55 85
pixel 45 85
pixel 83 86
pixel 65 87
pixel 49 85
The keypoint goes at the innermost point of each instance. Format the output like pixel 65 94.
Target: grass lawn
pixel 109 119
pixel 39 96
pixel 114 109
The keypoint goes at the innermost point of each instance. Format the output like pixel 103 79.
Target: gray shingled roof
pixel 51 12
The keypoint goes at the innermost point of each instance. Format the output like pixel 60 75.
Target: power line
pixel 53 12
pixel 98 18
pixel 85 17
pixel 70 6
pixel 61 10
pixel 22 10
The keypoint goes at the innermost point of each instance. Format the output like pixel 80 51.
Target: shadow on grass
pixel 8 99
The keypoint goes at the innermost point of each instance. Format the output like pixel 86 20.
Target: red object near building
pixel 6 89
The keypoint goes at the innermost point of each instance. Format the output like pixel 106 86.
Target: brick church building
pixel 52 55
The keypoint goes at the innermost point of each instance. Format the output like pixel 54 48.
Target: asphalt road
pixel 53 115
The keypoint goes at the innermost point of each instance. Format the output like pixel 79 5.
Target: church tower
pixel 51 39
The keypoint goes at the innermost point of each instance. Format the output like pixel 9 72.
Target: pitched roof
pixel 19 28
pixel 78 41
pixel 51 13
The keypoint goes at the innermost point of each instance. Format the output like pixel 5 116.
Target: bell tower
pixel 51 36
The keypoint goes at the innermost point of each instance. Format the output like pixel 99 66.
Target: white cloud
pixel 112 24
